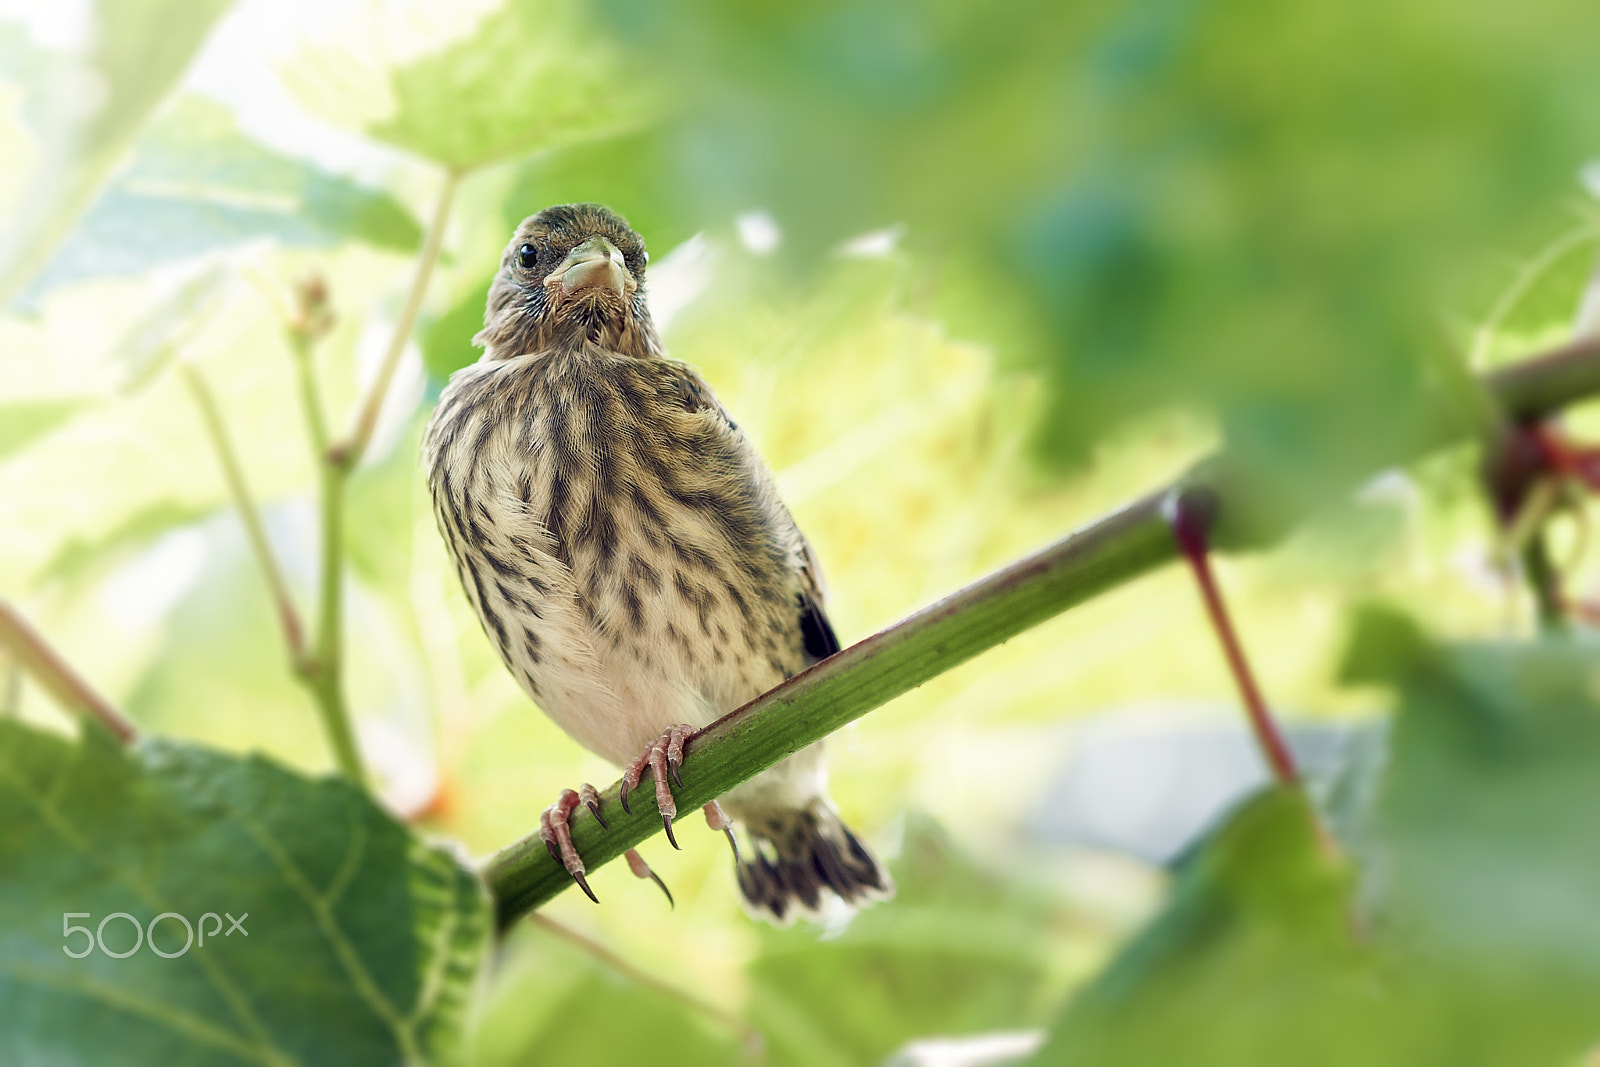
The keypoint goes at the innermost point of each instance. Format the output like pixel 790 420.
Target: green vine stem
pixel 249 514
pixel 320 667
pixel 335 461
pixel 322 672
pixel 347 453
pixel 1099 557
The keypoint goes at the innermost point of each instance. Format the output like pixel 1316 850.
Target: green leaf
pixel 362 941
pixel 1471 942
pixel 446 340
pixel 530 76
pixel 24 422
pixel 1253 955
pixel 87 113
pixel 81 556
pixel 1490 853
pixel 380 511
pixel 196 183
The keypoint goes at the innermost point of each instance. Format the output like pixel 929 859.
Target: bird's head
pixel 571 275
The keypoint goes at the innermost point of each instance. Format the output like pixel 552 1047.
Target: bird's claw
pixel 717 820
pixel 662 758
pixel 591 800
pixel 556 833
pixel 641 869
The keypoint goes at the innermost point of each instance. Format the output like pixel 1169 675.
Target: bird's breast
pixel 603 504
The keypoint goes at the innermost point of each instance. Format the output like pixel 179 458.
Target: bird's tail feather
pixel 793 857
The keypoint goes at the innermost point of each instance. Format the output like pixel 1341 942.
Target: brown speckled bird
pixel 625 547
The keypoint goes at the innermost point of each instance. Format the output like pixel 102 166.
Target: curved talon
pixel 591 800
pixel 641 869
pixel 547 834
pixel 657 758
pixel 718 820
pixel 656 878
pixel 631 777
pixel 556 834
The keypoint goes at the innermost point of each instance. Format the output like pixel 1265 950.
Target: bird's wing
pixel 820 640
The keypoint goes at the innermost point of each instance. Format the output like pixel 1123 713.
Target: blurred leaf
pixel 1487 842
pixel 196 183
pixel 960 951
pixel 79 556
pixel 1158 202
pixel 161 334
pixel 552 1003
pixel 446 339
pixel 530 76
pixel 1483 863
pixel 380 510
pixel 23 422
pixel 623 172
pixel 87 113
pixel 361 946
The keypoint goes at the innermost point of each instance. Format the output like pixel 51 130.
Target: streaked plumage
pixel 624 543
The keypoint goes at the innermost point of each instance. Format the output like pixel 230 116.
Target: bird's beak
pixel 595 264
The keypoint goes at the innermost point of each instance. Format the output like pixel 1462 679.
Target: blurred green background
pixel 971 275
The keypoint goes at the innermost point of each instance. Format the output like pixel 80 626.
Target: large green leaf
pixel 361 941
pixel 195 183
pixel 531 75
pixel 86 112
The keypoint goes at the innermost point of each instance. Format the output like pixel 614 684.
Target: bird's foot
pixel 555 831
pixel 662 758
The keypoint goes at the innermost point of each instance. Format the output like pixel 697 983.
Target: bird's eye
pixel 528 256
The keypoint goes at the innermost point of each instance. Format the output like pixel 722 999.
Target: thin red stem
pixel 51 670
pixel 1189 529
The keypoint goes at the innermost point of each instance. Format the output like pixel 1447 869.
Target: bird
pixel 624 545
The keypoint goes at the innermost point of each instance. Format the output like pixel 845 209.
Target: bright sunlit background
pixel 971 275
